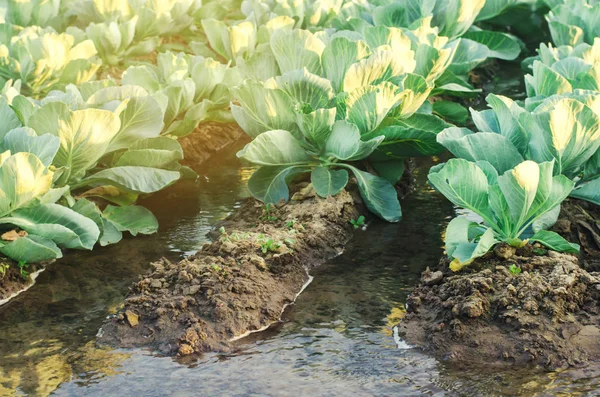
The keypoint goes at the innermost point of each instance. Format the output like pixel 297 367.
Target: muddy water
pixel 336 340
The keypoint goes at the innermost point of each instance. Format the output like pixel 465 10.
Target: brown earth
pixel 547 315
pixel 579 222
pixel 241 282
pixel 13 283
pixel 208 139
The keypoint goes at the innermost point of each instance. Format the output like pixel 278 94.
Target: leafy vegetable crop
pixel 337 103
pixel 191 88
pixel 563 130
pixel 44 59
pixel 509 205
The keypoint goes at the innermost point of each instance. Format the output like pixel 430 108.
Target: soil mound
pixel 579 222
pixel 208 139
pixel 239 283
pixel 547 315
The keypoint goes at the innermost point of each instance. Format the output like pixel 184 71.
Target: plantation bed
pixel 547 314
pixel 208 139
pixel 239 283
pixel 13 283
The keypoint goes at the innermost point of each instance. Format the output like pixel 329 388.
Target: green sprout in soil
pixel 358 222
pixel 268 214
pixel 290 224
pixel 3 269
pixel 269 245
pixel 238 237
pixel 23 269
pixel 290 243
pixel 224 235
pixel 540 251
pixel 514 269
pixel 218 269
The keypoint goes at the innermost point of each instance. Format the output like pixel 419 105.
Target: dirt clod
pixel 504 251
pixel 431 278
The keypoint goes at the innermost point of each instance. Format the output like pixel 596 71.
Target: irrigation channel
pixel 337 339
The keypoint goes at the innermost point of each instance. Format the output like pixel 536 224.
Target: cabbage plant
pixel 126 29
pixel 110 144
pixel 42 13
pixel 328 155
pixel 364 79
pixel 154 18
pixel 452 19
pixel 573 22
pixel 44 59
pixel 563 130
pixel 29 202
pixel 236 41
pixel 194 89
pixel 307 14
pixel 563 69
pixel 508 203
pixel 115 41
pixel 228 41
pixel 106 147
pixel 377 81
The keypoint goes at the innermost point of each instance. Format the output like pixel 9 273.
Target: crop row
pixel 96 93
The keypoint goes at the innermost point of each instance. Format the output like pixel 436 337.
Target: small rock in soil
pixel 504 251
pixel 132 318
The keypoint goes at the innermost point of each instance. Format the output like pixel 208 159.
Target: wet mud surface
pixel 547 315
pixel 241 282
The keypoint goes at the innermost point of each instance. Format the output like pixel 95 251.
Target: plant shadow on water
pixel 336 340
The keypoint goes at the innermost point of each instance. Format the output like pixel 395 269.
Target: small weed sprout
pixel 3 269
pixel 23 269
pixel 220 270
pixel 268 214
pixel 359 222
pixel 224 235
pixel 514 269
pixel 269 245
pixel 290 224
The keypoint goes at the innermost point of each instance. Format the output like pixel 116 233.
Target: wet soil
pixel 13 282
pixel 548 315
pixel 239 283
pixel 207 139
pixel 579 222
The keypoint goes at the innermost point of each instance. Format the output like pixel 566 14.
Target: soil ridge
pixel 546 314
pixel 240 282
